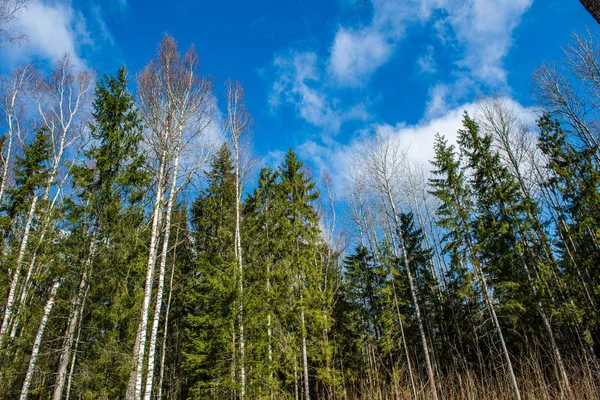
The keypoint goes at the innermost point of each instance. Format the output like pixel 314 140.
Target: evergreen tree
pixel 105 219
pixel 210 292
pixel 573 185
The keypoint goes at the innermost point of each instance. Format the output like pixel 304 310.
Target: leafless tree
pixel 384 161
pixel 237 126
pixel 575 104
pixel 9 10
pixel 175 106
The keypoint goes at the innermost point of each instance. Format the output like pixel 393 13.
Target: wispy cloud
pixel 416 140
pixel 479 32
pixel 426 62
pixel 52 29
pixel 102 25
pixel 355 55
pixel 299 82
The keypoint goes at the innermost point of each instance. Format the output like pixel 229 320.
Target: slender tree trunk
pixel 65 354
pixel 239 259
pixel 166 329
pixel 6 161
pixel 134 388
pixel 35 351
pixel 413 292
pixel 11 119
pixel 373 245
pixel 10 302
pixel 30 271
pixel 304 355
pixel 490 305
pixel 22 298
pixel 405 345
pixel 559 361
pixel 74 358
pixel 161 281
pixel 296 391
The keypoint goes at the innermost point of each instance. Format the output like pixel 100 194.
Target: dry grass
pixel 536 382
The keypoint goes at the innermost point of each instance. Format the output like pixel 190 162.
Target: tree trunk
pixel 414 296
pixel 65 354
pixel 74 358
pixel 134 387
pixel 161 282
pixel 304 356
pixel 35 351
pixel 238 255
pixel 593 7
pixel 559 361
pixel 490 305
pixel 166 329
pixel 10 302
pixel 374 249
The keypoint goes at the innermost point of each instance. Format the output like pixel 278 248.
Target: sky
pixel 324 76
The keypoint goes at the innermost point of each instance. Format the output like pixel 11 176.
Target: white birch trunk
pixel 413 293
pixel 374 247
pixel 166 330
pixel 38 342
pixel 6 160
pixel 18 85
pixel 40 241
pixel 10 302
pixel 304 356
pixel 161 282
pixel 134 387
pixel 74 359
pixel 238 254
pixel 65 354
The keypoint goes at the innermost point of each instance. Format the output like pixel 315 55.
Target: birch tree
pixel 13 89
pixel 175 107
pixel 9 11
pixel 237 126
pixel 106 186
pixel 384 164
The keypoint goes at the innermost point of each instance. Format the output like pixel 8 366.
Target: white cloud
pixel 485 29
pixel 417 140
pixel 426 62
pixel 298 82
pixel 355 55
pixel 102 25
pixel 482 30
pixel 52 29
pixel 479 32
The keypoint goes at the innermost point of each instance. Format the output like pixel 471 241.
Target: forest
pixel 147 254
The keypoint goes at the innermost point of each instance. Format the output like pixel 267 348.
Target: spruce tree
pixel 105 217
pixel 210 293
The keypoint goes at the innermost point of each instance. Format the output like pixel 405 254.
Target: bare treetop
pixel 9 10
pixel 173 97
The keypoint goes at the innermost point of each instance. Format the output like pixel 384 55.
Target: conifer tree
pixel 31 172
pixel 503 231
pixel 210 300
pixel 573 182
pixel 109 191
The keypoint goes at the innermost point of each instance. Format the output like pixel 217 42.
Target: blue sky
pixel 321 76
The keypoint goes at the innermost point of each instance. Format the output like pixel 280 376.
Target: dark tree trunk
pixel 593 7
